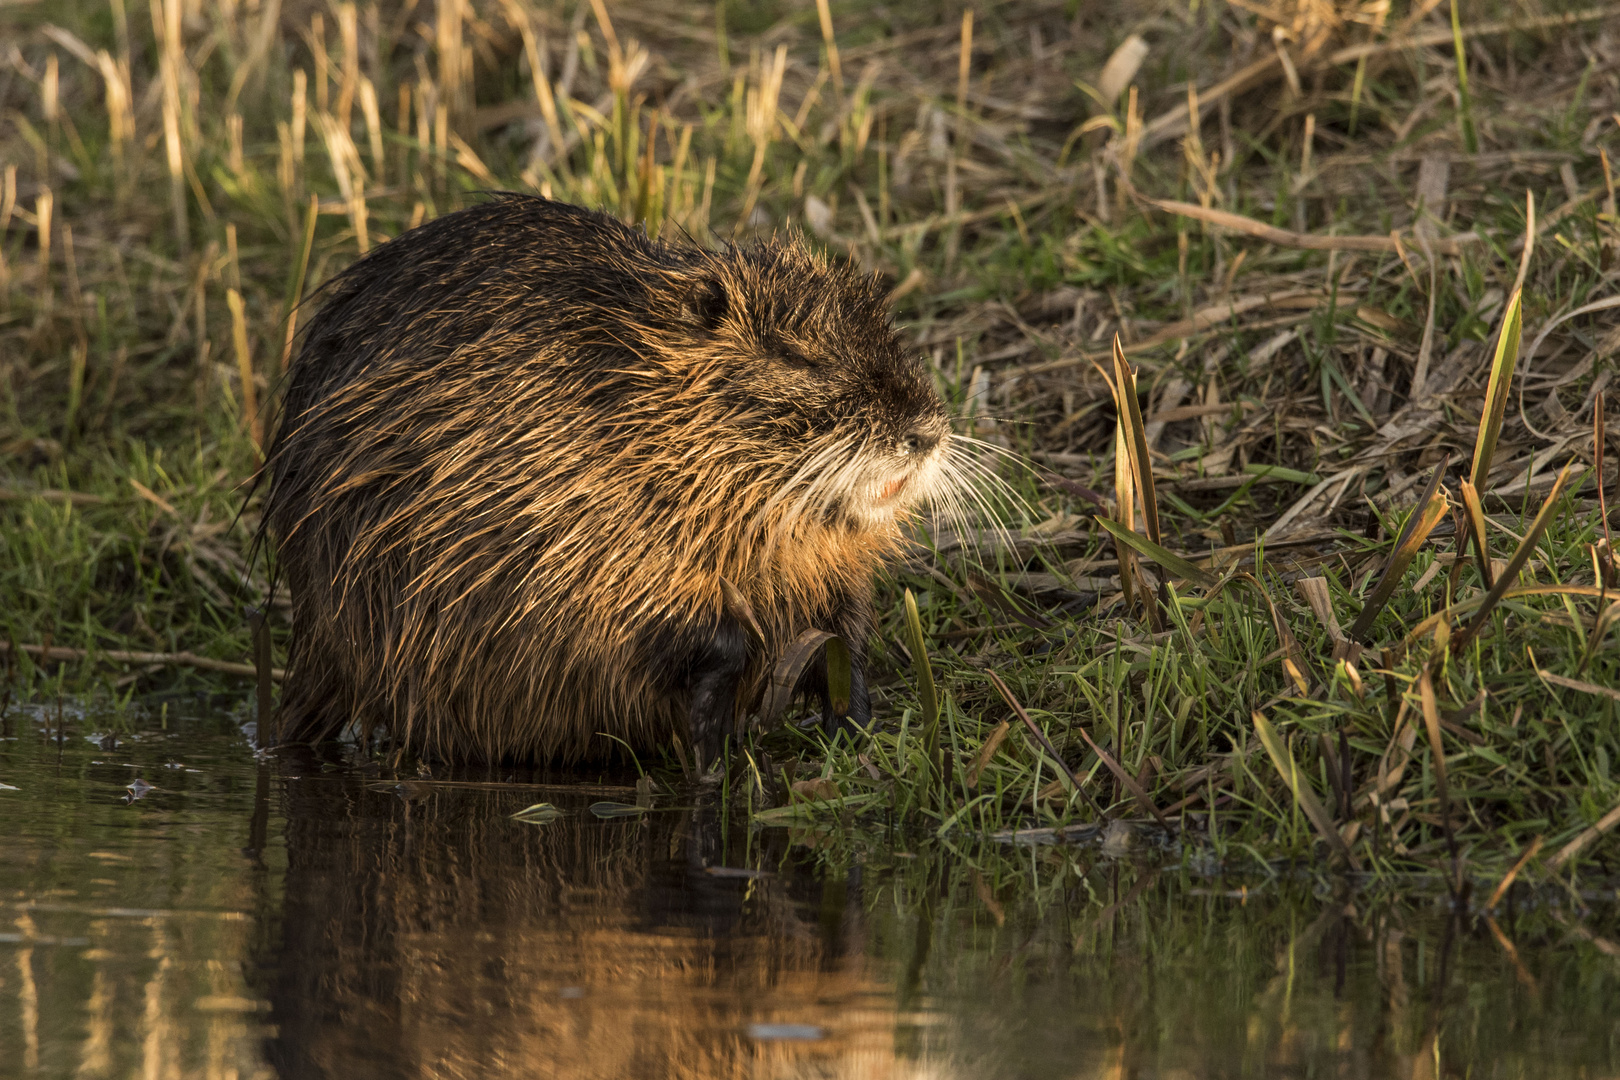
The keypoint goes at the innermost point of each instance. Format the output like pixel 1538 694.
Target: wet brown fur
pixel 522 445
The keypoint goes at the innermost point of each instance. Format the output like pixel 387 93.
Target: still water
pixel 175 907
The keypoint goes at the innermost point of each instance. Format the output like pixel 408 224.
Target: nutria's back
pixel 521 447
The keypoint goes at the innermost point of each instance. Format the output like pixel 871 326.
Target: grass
pixel 1308 288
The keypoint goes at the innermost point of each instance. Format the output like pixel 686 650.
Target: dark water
pixel 259 919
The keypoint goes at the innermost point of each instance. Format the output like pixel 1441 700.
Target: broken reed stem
pixel 295 294
pixel 47 653
pixel 1454 245
pixel 1124 512
pixel 760 122
pixel 1600 439
pixel 1465 107
pixel 824 13
pixel 1130 410
pixel 541 81
pixel 1508 878
pixel 1585 837
pixel 1431 722
pixel 374 132
pixel 252 422
pixel 166 27
pixel 44 204
pixel 953 195
pixel 8 196
pixel 1170 123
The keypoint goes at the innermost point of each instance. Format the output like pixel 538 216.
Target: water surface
pixel 175 907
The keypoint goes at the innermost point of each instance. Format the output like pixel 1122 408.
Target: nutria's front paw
pixel 716 672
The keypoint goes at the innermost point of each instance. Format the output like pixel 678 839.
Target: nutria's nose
pixel 918 442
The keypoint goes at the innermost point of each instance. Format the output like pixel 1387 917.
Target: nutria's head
pixel 810 363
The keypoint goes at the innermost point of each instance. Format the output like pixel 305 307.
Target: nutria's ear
pixel 705 304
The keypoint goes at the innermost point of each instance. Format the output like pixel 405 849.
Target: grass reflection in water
pixel 309 919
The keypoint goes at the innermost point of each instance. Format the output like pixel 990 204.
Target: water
pixel 254 919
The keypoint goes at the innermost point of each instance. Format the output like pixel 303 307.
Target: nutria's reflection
pixel 425 933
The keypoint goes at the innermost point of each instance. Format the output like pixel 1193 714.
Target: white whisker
pixel 804 484
pixel 966 482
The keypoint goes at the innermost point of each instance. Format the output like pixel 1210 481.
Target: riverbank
pixel 1308 288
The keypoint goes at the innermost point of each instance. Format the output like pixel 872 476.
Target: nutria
pixel 522 446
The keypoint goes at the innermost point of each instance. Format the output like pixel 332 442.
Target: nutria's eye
pixel 795 359
pixel 706 304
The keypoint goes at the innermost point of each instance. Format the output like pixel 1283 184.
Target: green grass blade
pixel 1465 110
pixel 1046 744
pixel 295 288
pixel 926 693
pixel 809 809
pixel 1600 439
pixel 1277 472
pixel 1303 795
pixel 1125 778
pixel 840 675
pixel 1521 555
pixel 919 661
pixel 1160 555
pixel 1476 528
pixel 1431 722
pixel 1431 508
pixel 1496 390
